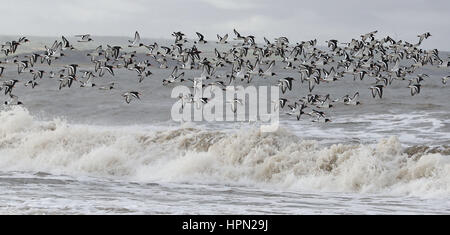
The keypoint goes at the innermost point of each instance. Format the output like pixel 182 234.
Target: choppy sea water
pixel 85 151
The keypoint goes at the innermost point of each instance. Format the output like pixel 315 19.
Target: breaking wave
pixel 279 160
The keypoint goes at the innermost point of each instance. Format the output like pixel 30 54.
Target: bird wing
pixel 200 36
pixel 271 66
pixel 66 42
pixel 136 39
pixel 224 38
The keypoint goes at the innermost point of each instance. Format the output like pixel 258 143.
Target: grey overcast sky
pixel 298 20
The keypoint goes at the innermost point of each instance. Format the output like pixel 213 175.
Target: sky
pixel 297 20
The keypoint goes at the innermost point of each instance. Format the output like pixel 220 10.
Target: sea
pixel 82 150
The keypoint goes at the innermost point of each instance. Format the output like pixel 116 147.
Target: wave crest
pixel 278 160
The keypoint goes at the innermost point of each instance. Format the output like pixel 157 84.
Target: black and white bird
pixel 109 86
pixel 108 68
pixel 174 77
pixel 423 36
pixel 198 101
pixel 72 69
pixel 332 44
pixel 325 103
pixel 364 37
pixel 66 81
pixel 234 103
pixel 179 37
pixel 285 83
pixel 31 83
pixel 143 75
pixel 377 90
pixel 66 44
pixel 14 100
pixel 312 81
pixel 443 63
pixel 37 73
pixel 222 40
pixel 317 114
pixel 269 71
pixel 9 85
pixel 21 65
pixel 415 89
pixel 238 35
pixel 51 74
pixel 321 120
pixel 88 82
pixel 445 79
pixel 201 38
pixel 131 95
pixel 282 102
pixel 84 38
pixel 136 41
pixel 351 101
pixel 296 110
pixel 115 50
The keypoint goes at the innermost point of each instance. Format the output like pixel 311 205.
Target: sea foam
pixel 279 160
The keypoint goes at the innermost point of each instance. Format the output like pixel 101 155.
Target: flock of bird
pixel 383 61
